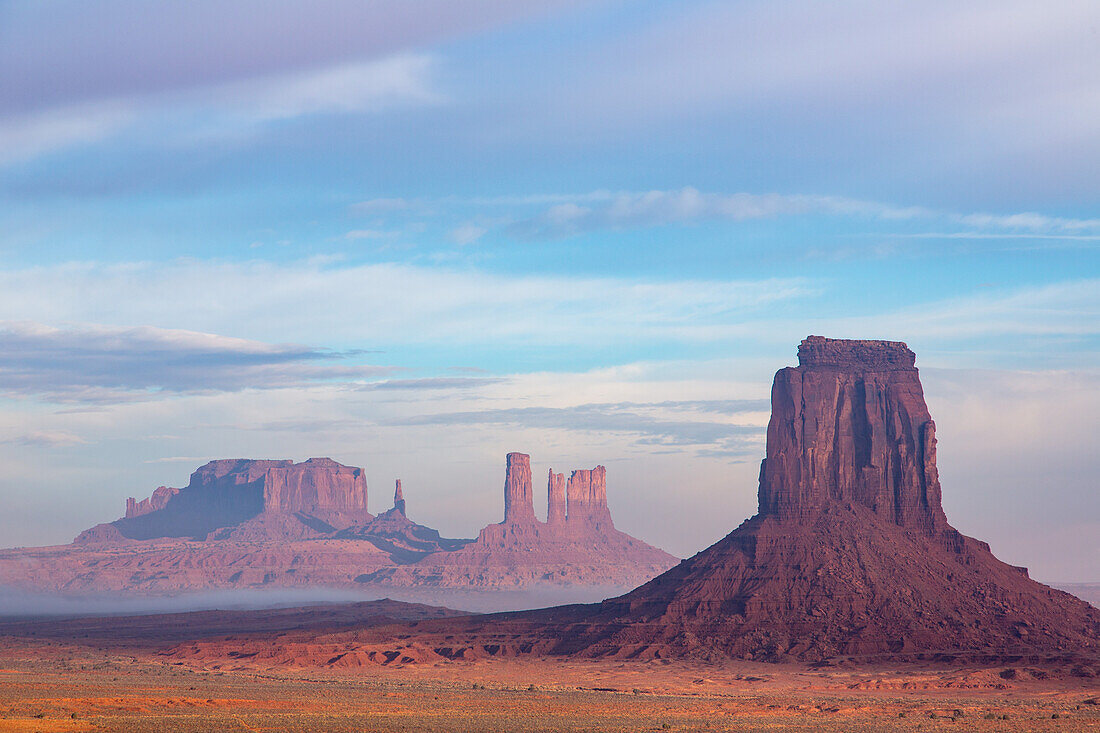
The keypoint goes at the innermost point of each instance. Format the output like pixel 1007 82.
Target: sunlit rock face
pixel 850 424
pixel 850 553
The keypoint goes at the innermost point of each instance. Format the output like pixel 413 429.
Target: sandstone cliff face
pixel 243 523
pixel 399 498
pixel 578 544
pixel 316 485
pixel 157 501
pixel 519 502
pixel 555 498
pixel 296 500
pixel 850 424
pixel 850 554
pixel 587 497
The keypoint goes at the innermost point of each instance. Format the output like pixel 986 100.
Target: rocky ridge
pixel 850 553
pixel 849 558
pixel 264 524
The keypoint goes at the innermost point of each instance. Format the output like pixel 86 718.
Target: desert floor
pixel 50 685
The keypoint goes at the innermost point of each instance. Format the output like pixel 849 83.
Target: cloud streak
pixel 101 364
pixel 229 109
pixel 603 210
pixel 635 419
pixel 384 304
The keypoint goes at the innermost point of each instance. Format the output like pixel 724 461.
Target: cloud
pixel 433 383
pixel 71 52
pixel 229 109
pixel 384 206
pixel 386 304
pixel 370 234
pixel 45 439
pixel 1068 311
pixel 628 210
pixel 27 136
pixel 358 87
pixel 467 233
pixel 84 71
pixel 93 363
pixel 629 418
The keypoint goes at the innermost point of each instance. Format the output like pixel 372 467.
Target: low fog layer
pixel 15 603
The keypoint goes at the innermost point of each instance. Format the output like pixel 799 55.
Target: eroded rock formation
pixel 850 553
pixel 399 498
pixel 587 497
pixel 519 501
pixel 255 499
pixel 555 499
pixel 247 523
pixel 578 540
pixel 850 424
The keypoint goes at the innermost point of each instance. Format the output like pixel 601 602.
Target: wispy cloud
pixel 433 383
pixel 45 439
pixel 649 424
pixel 390 303
pixel 559 215
pixel 85 70
pixel 602 210
pixel 228 109
pixel 93 363
pixel 467 233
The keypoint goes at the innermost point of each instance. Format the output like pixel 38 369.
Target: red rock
pixel 519 503
pixel 555 498
pixel 587 497
pixel 850 424
pixel 157 501
pixel 230 495
pixel 243 523
pixel 399 498
pixel 585 549
pixel 850 554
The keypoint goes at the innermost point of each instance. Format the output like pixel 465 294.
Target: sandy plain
pixel 88 684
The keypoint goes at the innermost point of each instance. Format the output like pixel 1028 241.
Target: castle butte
pixel 278 524
pixel 578 538
pixel 850 555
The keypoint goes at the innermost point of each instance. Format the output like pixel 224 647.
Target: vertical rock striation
pixel 850 424
pixel 587 497
pixel 555 499
pixel 850 553
pixel 399 499
pixel 304 498
pixel 519 502
pixel 157 501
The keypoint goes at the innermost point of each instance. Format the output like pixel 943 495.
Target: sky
pixel 416 236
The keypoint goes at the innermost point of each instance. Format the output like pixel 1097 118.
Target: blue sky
pixel 417 235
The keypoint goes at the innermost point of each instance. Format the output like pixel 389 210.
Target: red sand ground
pixel 302 669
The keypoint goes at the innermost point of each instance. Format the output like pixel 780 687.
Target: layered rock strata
pixel 587 498
pixel 245 523
pixel 850 554
pixel 555 499
pixel 254 498
pixel 577 540
pixel 519 501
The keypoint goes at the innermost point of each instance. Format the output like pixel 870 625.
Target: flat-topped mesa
pixel 228 492
pixel 587 498
pixel 850 424
pixel 857 355
pixel 555 498
pixel 519 502
pixel 399 498
pixel 316 485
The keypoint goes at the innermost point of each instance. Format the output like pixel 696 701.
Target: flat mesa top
pixel 855 353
